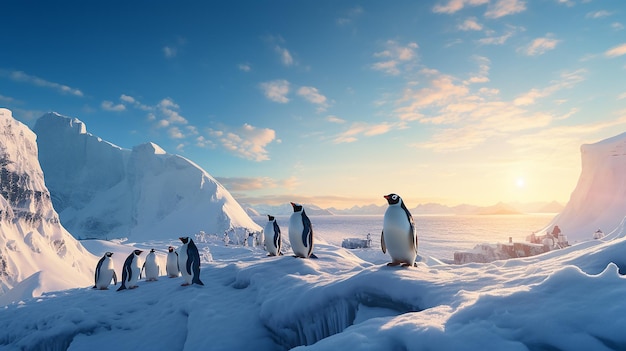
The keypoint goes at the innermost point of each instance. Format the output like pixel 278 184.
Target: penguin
pixel 151 267
pixel 189 261
pixel 105 272
pixel 273 239
pixel 171 265
pixel 399 235
pixel 301 233
pixel 131 271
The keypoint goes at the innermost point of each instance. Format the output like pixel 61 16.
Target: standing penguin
pixel 171 265
pixel 189 261
pixel 105 272
pixel 273 239
pixel 301 233
pixel 131 271
pixel 399 235
pixel 151 267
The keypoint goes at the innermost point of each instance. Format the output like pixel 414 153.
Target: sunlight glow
pixel 520 182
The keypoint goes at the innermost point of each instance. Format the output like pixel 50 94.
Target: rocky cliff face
pixel 32 239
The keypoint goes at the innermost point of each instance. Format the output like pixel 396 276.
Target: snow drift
pixel 35 249
pixel 599 199
pixel 103 191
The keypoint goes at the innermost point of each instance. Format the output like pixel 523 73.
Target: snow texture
pixel 36 253
pixel 103 191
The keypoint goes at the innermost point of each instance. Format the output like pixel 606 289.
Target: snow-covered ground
pixel 568 299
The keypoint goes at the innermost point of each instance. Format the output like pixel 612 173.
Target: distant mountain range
pixel 421 209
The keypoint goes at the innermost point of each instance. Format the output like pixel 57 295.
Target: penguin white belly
pixel 397 234
pixel 295 235
pixel 269 238
pixel 152 269
pixel 106 274
pixel 182 263
pixel 172 264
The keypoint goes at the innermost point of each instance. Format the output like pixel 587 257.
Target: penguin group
pixel 300 234
pixel 187 258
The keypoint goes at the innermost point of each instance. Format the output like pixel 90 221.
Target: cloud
pixel 616 51
pixel 395 57
pixel 617 26
pixel 567 80
pixel 335 119
pixel 456 5
pixel 598 14
pixel 175 133
pixel 470 24
pixel 169 52
pixel 493 39
pixel 503 8
pixel 365 129
pixel 285 55
pixel 6 99
pixel 540 46
pixel 313 95
pixel 276 90
pixel 244 67
pixel 246 142
pixel 352 14
pixel 255 183
pixel 20 76
pixel 169 109
pixel 483 71
pixel 110 106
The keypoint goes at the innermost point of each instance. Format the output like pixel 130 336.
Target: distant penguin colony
pixel 189 262
pixel 272 236
pixel 105 272
pixel 151 267
pixel 131 271
pixel 300 233
pixel 171 266
pixel 399 235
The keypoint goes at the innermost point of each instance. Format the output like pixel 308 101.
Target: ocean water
pixel 439 236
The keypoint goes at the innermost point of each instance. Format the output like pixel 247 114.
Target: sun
pixel 520 182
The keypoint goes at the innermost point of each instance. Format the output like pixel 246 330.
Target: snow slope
pixel 103 191
pixel 36 253
pixel 563 300
pixel 599 199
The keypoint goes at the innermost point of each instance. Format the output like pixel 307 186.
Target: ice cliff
pixel 599 199
pixel 34 247
pixel 104 191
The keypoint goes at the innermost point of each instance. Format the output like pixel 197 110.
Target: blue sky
pixel 334 102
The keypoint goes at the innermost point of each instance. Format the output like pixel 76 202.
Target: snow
pixel 103 191
pixel 599 199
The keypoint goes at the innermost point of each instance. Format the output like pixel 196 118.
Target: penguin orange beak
pixel 292 204
pixel 387 197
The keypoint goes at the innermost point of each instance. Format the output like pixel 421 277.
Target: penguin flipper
pixel 97 272
pixel 382 242
pixel 114 278
pixel 313 256
pixel 123 287
pixel 307 232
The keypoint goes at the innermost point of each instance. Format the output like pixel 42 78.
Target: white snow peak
pixel 103 191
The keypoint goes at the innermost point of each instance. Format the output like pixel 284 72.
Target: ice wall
pixel 103 191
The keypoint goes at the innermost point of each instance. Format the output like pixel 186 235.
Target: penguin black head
pixel 184 239
pixel 137 252
pixel 108 254
pixel 151 250
pixel 270 218
pixel 393 199
pixel 296 207
pixel 170 249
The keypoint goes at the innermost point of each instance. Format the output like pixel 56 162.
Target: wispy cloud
pixel 285 55
pixel 503 8
pixel 598 14
pixel 494 38
pixel 313 95
pixel 276 90
pixel 616 51
pixel 453 6
pixel 540 46
pixel 335 119
pixel 350 16
pixel 567 80
pixel 395 57
pixel 365 129
pixel 245 67
pixel 170 115
pixel 247 141
pixel 20 76
pixel 470 24
pixel 617 26
pixel 256 183
pixel 169 52
pixel 110 106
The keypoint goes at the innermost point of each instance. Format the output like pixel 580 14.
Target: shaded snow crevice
pixel 334 317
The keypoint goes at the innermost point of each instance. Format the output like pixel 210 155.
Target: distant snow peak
pixel 150 148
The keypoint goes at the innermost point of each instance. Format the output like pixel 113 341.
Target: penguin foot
pixel 184 284
pixel 134 287
pixel 406 265
pixel 312 256
pixel 393 264
pixel 105 288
